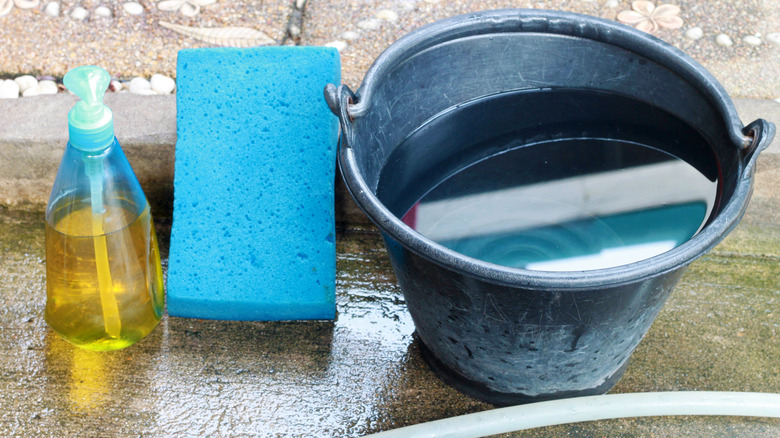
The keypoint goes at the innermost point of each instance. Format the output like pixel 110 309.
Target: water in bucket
pixel 580 198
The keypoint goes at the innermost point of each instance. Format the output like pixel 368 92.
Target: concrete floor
pixel 363 373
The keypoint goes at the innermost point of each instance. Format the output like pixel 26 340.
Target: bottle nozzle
pixel 90 123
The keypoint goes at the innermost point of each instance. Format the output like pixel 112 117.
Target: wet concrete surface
pixel 363 373
pixel 199 377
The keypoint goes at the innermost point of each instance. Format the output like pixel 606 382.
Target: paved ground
pixel 138 45
pixel 363 373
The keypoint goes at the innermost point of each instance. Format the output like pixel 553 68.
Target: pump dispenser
pixel 103 274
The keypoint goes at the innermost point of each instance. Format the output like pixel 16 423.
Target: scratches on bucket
pixel 492 311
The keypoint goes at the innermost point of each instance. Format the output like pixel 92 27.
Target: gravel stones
pixel 350 35
pixel 694 33
pixel 338 45
pixel 27 4
pixel 28 86
pixel 159 84
pixel 42 87
pixel 370 24
pixel 162 84
pixel 30 92
pixel 116 86
pixel 133 8
pixel 26 82
pixel 79 13
pixel 387 15
pixel 52 9
pixel 8 89
pixel 125 44
pixel 724 40
pixel 752 40
pixel 140 85
pixel 103 11
pixel 47 87
pixel 46 39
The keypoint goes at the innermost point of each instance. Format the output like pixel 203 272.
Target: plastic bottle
pixel 104 281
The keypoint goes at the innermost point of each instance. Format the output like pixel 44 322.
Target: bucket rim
pixel 553 22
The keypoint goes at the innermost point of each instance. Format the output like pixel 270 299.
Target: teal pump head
pixel 90 123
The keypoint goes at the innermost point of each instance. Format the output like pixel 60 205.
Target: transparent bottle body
pixel 103 274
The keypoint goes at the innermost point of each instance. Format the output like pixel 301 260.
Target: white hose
pixel 600 407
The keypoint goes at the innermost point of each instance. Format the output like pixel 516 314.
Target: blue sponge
pixel 253 233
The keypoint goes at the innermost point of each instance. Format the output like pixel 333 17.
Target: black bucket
pixel 560 97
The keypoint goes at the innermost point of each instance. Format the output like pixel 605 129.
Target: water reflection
pixel 290 378
pixel 88 382
pixel 97 387
pixel 559 206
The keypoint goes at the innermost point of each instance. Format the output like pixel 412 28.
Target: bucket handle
pixel 759 135
pixel 339 99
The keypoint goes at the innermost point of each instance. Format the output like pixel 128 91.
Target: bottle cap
pixel 90 123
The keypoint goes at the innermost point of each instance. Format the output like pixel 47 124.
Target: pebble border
pixel 29 86
pixel 158 84
pixel 382 16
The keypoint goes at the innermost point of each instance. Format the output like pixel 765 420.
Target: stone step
pixel 35 132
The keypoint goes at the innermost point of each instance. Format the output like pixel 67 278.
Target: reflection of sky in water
pixel 606 257
pixel 492 212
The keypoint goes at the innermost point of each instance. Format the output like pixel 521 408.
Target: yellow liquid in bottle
pixel 131 302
